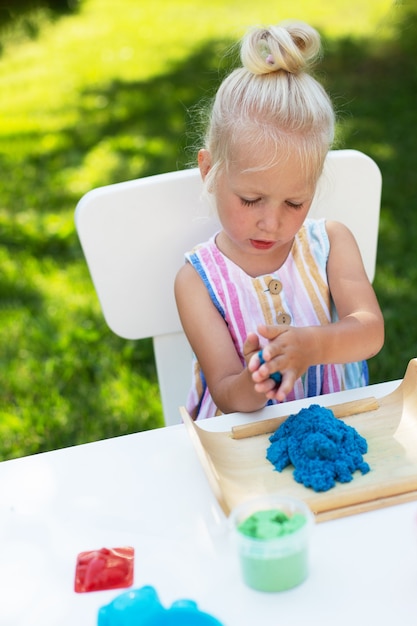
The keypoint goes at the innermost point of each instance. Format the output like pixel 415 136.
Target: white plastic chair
pixel 134 235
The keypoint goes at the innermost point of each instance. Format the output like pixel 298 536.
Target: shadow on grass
pixel 22 13
pixel 74 367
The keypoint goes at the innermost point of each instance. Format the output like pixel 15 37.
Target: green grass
pixel 105 94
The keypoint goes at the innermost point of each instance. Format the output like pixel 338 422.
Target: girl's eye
pixel 294 205
pixel 246 202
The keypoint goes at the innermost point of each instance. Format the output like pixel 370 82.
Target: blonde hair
pixel 273 100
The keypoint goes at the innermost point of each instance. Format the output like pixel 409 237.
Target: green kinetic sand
pixel 275 555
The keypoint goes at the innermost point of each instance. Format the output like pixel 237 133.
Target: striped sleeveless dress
pixel 244 302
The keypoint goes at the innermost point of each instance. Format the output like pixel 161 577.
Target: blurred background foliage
pixel 94 92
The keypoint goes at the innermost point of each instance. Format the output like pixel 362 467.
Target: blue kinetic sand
pixel 322 448
pixel 276 375
pixel 141 607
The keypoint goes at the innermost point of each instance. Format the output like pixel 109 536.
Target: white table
pixel 149 491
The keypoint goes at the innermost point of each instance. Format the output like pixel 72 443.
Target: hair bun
pixel 288 46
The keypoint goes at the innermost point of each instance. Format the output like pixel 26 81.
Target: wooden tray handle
pixel 263 427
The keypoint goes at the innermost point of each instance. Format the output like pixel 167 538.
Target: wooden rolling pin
pixel 264 427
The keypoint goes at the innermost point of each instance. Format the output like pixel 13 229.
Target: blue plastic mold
pixel 141 607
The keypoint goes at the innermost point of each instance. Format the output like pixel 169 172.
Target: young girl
pixel 273 291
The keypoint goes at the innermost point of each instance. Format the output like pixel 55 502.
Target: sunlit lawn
pixel 105 95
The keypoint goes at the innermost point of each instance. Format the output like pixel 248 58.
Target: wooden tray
pixel 237 469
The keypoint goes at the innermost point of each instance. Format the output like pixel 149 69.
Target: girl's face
pixel 260 211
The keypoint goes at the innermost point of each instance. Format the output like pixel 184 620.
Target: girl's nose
pixel 270 219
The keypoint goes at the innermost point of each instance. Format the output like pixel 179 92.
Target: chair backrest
pixel 134 235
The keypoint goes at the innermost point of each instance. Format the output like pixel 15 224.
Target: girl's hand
pixel 288 352
pixel 251 349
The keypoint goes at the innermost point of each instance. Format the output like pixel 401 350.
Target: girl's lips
pixel 261 245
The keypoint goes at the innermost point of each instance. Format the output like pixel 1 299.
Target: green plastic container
pixel 272 534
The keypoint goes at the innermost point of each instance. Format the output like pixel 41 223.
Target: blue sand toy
pixel 276 375
pixel 141 607
pixel 322 448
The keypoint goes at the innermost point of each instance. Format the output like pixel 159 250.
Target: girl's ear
pixel 204 162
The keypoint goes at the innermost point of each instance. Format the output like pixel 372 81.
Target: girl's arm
pixel 231 385
pixel 357 335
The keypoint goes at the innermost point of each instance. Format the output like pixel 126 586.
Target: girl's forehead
pixel 258 172
pixel 248 156
pixel 247 153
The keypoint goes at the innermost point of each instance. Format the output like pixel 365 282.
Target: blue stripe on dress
pixel 313 388
pixel 365 372
pixel 204 388
pixel 196 263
